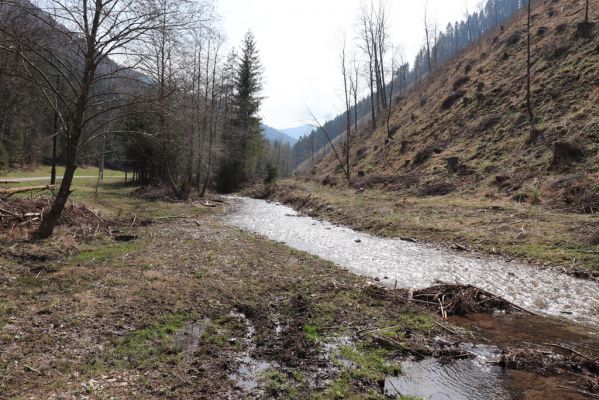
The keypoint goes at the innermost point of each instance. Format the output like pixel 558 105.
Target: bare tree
pixel 428 38
pixel 367 48
pixel 318 125
pixel 80 36
pixel 394 77
pixel 347 98
pixel 586 13
pixel 355 89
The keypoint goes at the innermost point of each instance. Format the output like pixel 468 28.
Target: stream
pixel 419 265
pixel 566 308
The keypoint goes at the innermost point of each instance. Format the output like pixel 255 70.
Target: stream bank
pixel 568 303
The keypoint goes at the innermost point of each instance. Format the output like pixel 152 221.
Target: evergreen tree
pixel 244 140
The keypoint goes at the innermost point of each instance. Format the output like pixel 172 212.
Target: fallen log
pixel 5 193
pixel 9 181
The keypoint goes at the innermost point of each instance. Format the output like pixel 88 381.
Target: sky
pixel 300 42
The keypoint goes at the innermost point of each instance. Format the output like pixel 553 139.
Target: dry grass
pixel 487 128
pixel 103 319
pixel 499 225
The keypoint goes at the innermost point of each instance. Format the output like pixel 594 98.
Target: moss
pixel 107 253
pixel 278 385
pixel 311 332
pixel 369 365
pixel 150 345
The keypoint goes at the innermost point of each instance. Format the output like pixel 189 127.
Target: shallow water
pixel 418 265
pixel 474 380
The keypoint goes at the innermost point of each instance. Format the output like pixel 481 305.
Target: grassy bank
pixel 179 312
pixel 498 226
pixel 44 171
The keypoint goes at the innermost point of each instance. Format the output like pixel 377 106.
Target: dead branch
pixel 5 193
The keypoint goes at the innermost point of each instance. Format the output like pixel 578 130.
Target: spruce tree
pixel 244 140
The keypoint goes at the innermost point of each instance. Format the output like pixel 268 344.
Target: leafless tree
pixel 395 53
pixel 80 35
pixel 318 125
pixel 428 38
pixel 347 98
pixel 355 89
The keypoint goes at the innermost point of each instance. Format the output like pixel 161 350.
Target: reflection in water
pixel 474 380
pixel 419 265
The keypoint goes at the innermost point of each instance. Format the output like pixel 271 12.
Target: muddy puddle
pixel 418 265
pixel 250 369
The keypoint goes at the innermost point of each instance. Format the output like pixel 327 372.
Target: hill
pixel 272 135
pixel 298 131
pixel 464 129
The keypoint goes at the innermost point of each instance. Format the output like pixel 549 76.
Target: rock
pixel 360 190
pixel 358 241
pixel 542 30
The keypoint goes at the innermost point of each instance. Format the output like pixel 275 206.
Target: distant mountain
pixel 298 131
pixel 271 134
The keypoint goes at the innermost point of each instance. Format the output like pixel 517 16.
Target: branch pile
pixel 461 300
pixel 156 193
pixel 27 213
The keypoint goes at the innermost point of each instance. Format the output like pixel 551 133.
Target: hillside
pixel 272 135
pixel 465 130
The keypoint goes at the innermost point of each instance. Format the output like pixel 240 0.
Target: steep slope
pixel 465 129
pixel 272 135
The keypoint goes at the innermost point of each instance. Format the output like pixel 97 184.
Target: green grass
pixel 152 344
pixel 311 332
pixel 279 385
pixel 44 171
pixel 111 252
pixel 369 365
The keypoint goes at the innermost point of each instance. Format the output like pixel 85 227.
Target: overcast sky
pixel 299 43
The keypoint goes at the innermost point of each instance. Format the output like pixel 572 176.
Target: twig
pixel 571 350
pixel 27 367
pixel 9 212
pixel 172 217
pixel 133 223
pixel 593 395
pixel 444 327
pixel 362 332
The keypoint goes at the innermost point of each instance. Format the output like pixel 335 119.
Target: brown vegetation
pixel 479 116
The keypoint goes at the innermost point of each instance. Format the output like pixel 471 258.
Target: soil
pixel 188 307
